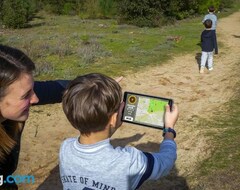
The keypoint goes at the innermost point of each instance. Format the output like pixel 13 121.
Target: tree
pixel 14 13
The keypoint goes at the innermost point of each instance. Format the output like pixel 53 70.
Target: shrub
pixel 106 7
pixel 226 4
pixel 92 8
pixel 43 67
pixel 141 13
pixel 16 13
pixel 31 7
pixel 159 12
pixel 68 9
pixel 91 51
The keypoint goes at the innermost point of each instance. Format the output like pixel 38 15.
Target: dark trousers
pixel 216 45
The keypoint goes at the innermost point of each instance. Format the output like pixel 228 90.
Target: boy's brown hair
pixel 211 9
pixel 90 100
pixel 208 23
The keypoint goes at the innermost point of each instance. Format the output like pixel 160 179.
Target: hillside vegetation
pixel 17 13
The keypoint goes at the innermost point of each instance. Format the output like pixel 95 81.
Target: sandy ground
pixel 196 95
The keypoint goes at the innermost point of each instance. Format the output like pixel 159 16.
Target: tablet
pixel 145 110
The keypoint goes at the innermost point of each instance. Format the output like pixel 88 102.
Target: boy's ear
pixel 113 120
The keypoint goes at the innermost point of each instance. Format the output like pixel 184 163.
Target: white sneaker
pixel 201 71
pixel 210 69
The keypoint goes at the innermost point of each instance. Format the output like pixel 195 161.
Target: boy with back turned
pixel 208 45
pixel 211 15
pixel 93 105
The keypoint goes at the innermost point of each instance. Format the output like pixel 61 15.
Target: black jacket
pixel 208 41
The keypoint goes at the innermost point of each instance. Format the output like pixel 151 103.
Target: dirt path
pixel 196 95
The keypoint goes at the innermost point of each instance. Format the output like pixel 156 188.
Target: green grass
pixel 227 140
pixel 221 169
pixel 72 46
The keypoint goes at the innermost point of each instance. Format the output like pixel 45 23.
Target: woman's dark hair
pixel 13 63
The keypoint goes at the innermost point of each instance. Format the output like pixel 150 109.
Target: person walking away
pixel 208 44
pixel 212 16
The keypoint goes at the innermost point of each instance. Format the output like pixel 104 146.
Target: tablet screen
pixel 144 109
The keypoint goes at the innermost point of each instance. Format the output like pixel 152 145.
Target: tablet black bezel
pixel 169 100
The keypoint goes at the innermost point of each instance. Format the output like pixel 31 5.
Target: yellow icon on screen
pixel 132 99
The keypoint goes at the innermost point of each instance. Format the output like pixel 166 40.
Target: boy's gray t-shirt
pixel 212 17
pixel 101 166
